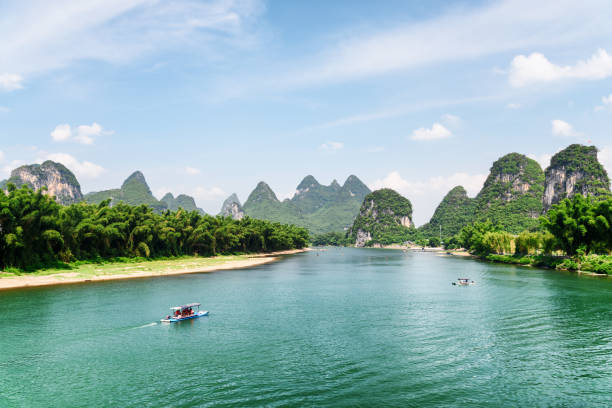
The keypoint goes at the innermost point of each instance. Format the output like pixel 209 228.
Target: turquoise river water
pixel 341 327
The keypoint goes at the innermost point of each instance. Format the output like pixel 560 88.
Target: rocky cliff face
pixel 574 170
pixel 384 217
pixel 60 182
pixel 231 208
pixel 512 194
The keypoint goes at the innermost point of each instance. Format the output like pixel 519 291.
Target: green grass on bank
pixel 121 266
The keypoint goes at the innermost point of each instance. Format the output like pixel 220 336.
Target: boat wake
pixel 145 325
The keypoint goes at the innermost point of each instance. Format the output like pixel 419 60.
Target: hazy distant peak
pixel 136 178
pixel 307 183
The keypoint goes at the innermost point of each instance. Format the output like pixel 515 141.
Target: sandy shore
pixel 61 278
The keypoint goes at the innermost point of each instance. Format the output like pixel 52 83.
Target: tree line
pixel 35 232
pixel 580 225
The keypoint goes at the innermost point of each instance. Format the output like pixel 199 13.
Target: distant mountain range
pixel 136 191
pixel 314 206
pixel 515 194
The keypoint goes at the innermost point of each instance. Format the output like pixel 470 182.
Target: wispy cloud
pixel 456 34
pixel 396 112
pixel 192 171
pixel 606 103
pixel 10 82
pixel 46 35
pixel 331 146
pixel 536 68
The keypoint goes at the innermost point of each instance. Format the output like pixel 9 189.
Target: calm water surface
pixel 350 327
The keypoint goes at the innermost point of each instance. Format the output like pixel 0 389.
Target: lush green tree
pixel 580 223
pixel 434 242
pixel 35 231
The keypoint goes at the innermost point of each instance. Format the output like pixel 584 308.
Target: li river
pixel 341 327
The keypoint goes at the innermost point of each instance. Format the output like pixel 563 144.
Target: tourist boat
pixel 185 312
pixel 464 282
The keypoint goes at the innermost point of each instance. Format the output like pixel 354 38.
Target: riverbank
pixel 131 270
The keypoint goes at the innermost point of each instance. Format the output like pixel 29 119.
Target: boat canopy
pixel 187 306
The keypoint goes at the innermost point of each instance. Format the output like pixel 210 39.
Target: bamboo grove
pixel 36 232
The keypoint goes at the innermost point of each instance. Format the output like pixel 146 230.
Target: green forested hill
pixel 134 191
pixel 512 194
pixel 385 217
pixel 181 201
pixel 314 206
pixel 455 211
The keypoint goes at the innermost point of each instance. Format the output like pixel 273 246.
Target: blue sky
pixel 209 97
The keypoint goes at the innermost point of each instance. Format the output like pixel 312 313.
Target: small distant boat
pixel 185 312
pixel 464 282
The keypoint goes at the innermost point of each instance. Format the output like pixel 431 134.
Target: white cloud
pixel 8 168
pixel 82 169
pixel 437 131
pixel 192 171
pixel 425 195
pixel 331 146
pixel 563 129
pixel 117 31
pixel 84 134
pixel 605 158
pixel 207 194
pixel 543 159
pixel 61 133
pixel 513 106
pixel 535 68
pixel 10 82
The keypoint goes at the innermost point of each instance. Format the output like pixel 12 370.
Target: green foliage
pixel 434 242
pixel 581 223
pixel 381 214
pixel 512 194
pixel 454 212
pixel 471 237
pixel 35 231
pixel 528 242
pixel 498 242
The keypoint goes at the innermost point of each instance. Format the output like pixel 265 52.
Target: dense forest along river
pixel 348 327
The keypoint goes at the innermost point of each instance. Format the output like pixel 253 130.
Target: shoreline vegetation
pixel 137 268
pixel 37 233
